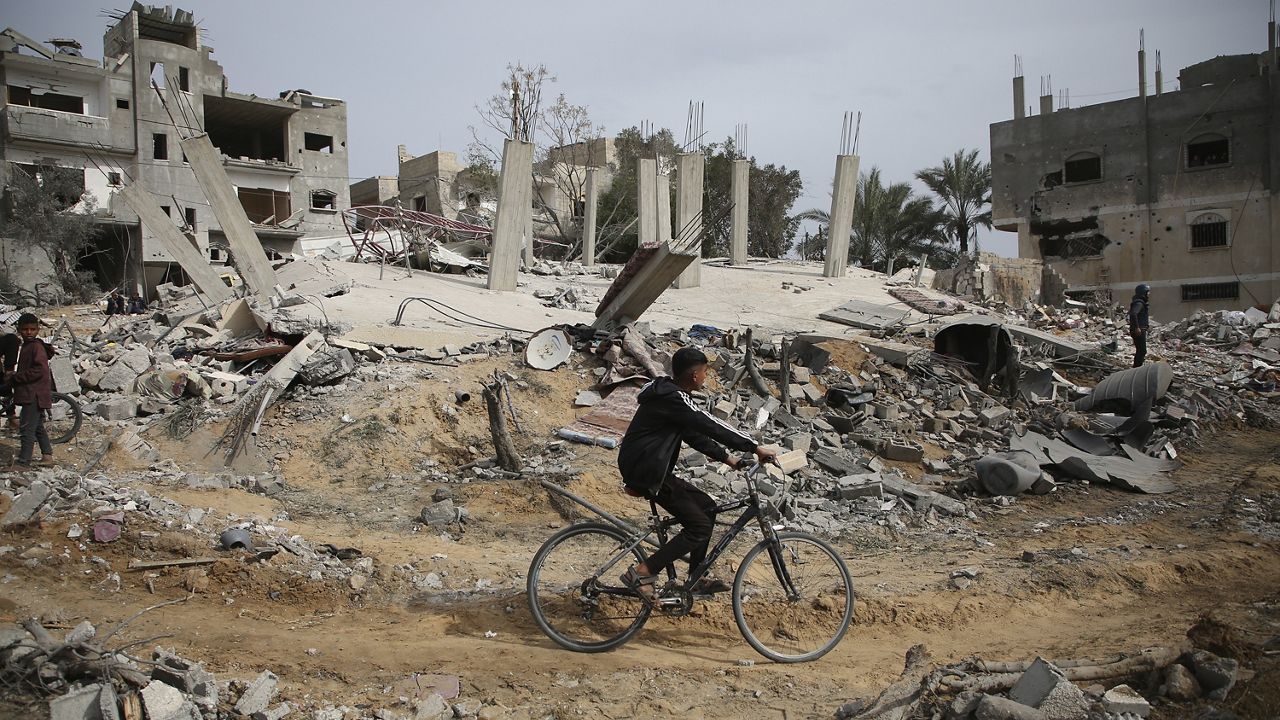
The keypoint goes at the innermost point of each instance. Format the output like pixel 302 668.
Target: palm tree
pixel 888 221
pixel 963 184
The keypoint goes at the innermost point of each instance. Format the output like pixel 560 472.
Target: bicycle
pixel 62 421
pixel 792 594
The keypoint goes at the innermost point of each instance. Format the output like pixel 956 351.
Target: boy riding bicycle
pixel 668 415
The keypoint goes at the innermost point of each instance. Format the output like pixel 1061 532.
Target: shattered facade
pixel 1176 189
pixel 287 157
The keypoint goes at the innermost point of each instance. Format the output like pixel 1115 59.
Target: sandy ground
pixel 1114 571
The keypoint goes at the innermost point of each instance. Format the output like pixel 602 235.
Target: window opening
pixel 37 98
pixel 323 200
pixel 167 210
pixel 1208 150
pixel 190 216
pixel 157 75
pixel 160 146
pixel 1209 230
pixel 184 79
pixel 420 203
pixel 317 142
pixel 122 104
pixel 113 179
pixel 1211 291
pixel 1083 167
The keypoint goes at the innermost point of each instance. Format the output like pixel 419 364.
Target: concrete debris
pixel 257 696
pixel 27 504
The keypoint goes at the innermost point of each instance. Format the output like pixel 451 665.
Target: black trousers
pixel 1139 348
pixel 32 426
pixel 695 510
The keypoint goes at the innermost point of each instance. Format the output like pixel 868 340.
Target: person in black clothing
pixel 10 343
pixel 666 416
pixel 1139 323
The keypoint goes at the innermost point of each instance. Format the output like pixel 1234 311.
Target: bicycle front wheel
pixel 574 591
pixel 793 599
pixel 64 419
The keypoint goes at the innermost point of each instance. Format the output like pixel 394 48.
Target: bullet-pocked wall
pixel 1176 190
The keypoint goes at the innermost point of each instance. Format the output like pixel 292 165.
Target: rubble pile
pixel 1121 687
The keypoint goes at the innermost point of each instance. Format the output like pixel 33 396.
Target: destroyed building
pixel 438 183
pixel 1174 189
pixel 118 121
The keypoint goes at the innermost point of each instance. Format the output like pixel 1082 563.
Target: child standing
pixel 32 384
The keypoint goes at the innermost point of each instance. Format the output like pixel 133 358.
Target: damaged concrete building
pixel 119 121
pixel 1174 189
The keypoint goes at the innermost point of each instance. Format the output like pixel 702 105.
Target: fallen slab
pixel 1133 471
pixel 866 315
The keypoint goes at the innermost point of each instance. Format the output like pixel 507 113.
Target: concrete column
pixel 1159 81
pixel 515 196
pixel 179 248
pixel 647 200
pixel 1019 98
pixel 529 258
pixel 1142 74
pixel 663 187
pixel 690 169
pixel 738 180
pixel 589 219
pixel 246 250
pixel 1046 104
pixel 843 195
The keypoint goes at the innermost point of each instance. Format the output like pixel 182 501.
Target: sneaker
pixel 710 586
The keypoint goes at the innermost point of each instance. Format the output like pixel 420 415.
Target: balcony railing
pixel 22 123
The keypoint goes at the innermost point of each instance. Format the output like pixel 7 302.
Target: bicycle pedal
pixel 669 602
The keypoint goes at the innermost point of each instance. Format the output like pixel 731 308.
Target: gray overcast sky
pixel 929 77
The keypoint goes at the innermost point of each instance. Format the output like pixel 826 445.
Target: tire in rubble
pixel 575 593
pixel 793 601
pixel 64 419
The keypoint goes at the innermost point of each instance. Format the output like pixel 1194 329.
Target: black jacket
pixel 1138 314
pixel 667 416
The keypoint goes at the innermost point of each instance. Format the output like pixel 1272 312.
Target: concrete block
pixel 1216 674
pixel 91 376
pixel 64 376
pixel 1064 702
pixel 886 411
pixel 858 486
pixel 258 695
pixel 791 461
pixel 438 514
pixel 238 320
pixel 935 425
pixel 798 441
pixel 902 450
pixel 812 393
pixel 994 707
pixel 1180 684
pixel 994 415
pixel 796 390
pixel 93 702
pixel 117 408
pixel 279 712
pixel 1124 699
pixel 190 677
pixel 165 702
pixel 26 505
pixel 723 409
pixel 800 375
pixel 224 384
pixel 1035 683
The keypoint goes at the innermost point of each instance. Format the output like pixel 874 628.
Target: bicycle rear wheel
pixel 63 421
pixel 574 592
pixel 793 601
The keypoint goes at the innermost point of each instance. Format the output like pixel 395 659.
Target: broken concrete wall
pixel 991 278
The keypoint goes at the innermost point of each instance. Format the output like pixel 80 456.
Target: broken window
pixel 244 129
pixel 1209 230
pixel 122 104
pixel 35 97
pixel 190 217
pixel 113 179
pixel 263 205
pixel 420 203
pixel 1211 291
pixel 317 142
pixel 1083 167
pixel 160 146
pixel 168 211
pixel 1052 180
pixel 323 200
pixel 1208 150
pixel 157 75
pixel 184 79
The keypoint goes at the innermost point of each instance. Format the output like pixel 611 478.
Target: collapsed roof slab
pixel 866 315
pixel 246 250
pixel 641 285
pixel 179 248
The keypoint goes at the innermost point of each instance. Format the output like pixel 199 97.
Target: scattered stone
pixel 1180 684
pixel 1216 675
pixel 1124 699
pixel 258 695
pixel 27 504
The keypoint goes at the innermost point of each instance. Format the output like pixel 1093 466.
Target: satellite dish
pixel 548 349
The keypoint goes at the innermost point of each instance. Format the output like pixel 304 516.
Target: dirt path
pixel 1110 571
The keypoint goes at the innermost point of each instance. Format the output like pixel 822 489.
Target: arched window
pixel 1209 230
pixel 1082 167
pixel 1208 150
